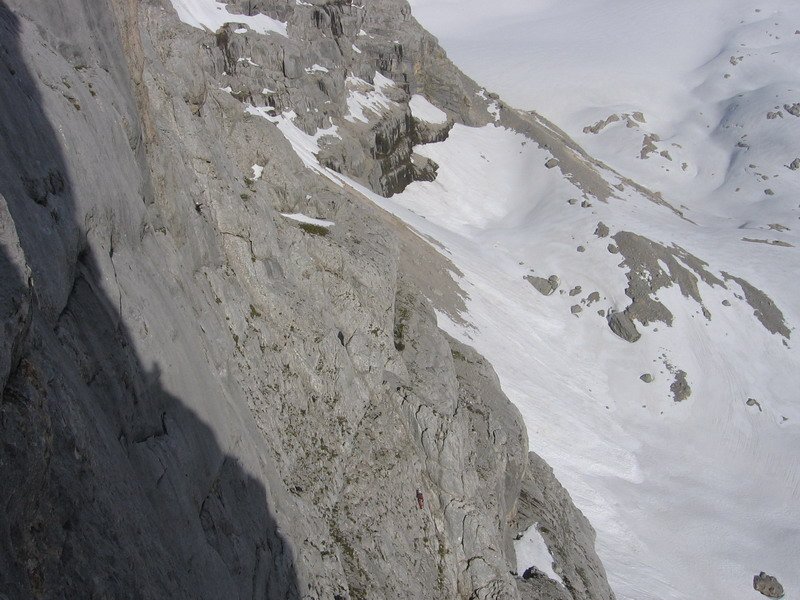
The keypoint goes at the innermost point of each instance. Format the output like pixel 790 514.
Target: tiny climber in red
pixel 420 500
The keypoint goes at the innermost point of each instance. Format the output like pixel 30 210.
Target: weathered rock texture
pixel 202 399
pixel 767 585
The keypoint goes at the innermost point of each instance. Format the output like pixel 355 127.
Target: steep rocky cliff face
pixel 202 398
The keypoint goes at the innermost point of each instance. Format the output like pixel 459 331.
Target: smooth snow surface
pixel 211 15
pixel 532 551
pixel 423 110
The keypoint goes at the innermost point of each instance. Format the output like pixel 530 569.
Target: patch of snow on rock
pixel 211 15
pixel 425 111
pixel 532 551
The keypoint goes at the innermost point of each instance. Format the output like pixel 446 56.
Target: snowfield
pixel 696 101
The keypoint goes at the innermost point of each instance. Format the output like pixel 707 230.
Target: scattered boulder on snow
pixel 621 324
pixel 592 298
pixel 542 285
pixel 575 291
pixel 575 309
pixel 646 377
pixel 680 387
pixel 795 164
pixel 726 303
pixel 793 109
pixel 581 248
pixel 767 585
pixel 613 249
pixel 552 163
pixel 602 230
pixel 754 402
pixel 649 145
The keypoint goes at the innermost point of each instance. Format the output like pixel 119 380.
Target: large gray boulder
pixel 767 585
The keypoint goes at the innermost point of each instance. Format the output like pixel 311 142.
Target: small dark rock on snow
pixel 602 230
pixel 767 585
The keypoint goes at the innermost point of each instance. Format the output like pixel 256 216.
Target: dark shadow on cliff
pixel 110 487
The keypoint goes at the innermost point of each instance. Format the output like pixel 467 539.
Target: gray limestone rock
pixel 793 109
pixel 764 308
pixel 535 584
pixel 767 585
pixel 601 230
pixel 622 325
pixel 551 163
pixel 576 309
pixel 680 387
pixel 542 285
pixel 646 377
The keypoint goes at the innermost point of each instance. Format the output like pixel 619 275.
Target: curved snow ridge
pixel 211 15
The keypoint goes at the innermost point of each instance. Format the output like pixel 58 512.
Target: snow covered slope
pixel 697 102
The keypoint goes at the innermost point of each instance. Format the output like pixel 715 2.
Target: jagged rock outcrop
pixel 569 535
pixel 202 398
